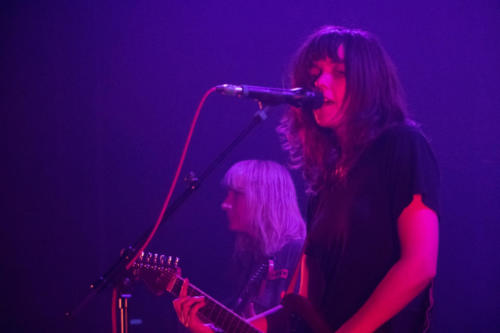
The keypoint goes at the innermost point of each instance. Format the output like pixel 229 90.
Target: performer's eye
pixel 314 74
pixel 339 70
pixel 339 74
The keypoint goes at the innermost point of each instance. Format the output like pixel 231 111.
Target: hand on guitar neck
pixel 161 274
pixel 187 308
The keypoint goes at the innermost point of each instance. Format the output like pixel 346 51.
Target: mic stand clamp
pixel 192 180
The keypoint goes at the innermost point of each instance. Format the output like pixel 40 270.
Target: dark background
pixel 96 101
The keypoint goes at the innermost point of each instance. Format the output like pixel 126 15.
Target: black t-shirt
pixel 352 226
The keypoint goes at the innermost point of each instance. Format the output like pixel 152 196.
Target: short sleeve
pixel 411 169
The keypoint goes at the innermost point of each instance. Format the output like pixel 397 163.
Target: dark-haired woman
pixel 371 251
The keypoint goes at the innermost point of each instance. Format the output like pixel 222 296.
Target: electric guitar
pixel 161 273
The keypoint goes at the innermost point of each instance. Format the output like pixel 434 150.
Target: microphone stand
pixel 117 274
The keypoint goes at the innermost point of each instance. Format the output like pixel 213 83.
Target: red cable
pixel 176 178
pixel 165 204
pixel 427 323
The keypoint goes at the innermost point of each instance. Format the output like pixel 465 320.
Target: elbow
pixel 425 272
pixel 431 273
pixel 428 266
pixel 427 277
pixel 421 272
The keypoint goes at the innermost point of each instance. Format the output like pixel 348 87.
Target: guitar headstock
pixel 157 271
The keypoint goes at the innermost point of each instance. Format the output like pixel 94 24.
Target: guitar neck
pixel 213 311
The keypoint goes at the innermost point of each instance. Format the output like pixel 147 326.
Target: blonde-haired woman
pixel 261 207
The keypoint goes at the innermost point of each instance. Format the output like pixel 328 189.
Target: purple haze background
pixel 97 99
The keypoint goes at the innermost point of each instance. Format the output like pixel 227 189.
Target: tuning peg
pixel 162 260
pixel 141 257
pixel 176 263
pixel 169 260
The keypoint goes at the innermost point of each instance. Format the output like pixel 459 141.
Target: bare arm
pixel 418 236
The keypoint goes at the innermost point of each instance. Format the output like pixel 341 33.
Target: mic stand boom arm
pixel 117 273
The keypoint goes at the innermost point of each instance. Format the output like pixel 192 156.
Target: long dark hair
pixel 373 102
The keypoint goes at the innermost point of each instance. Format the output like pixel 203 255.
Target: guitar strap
pixel 252 286
pixel 264 273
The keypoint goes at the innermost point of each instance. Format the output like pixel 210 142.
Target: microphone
pixel 298 97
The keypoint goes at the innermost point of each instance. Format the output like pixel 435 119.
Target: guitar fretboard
pixel 213 311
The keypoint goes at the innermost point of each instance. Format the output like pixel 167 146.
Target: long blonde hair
pixel 274 215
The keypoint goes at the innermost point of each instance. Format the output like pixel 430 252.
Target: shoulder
pixel 401 132
pixel 401 149
pixel 401 138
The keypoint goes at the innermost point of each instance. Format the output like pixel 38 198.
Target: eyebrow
pixel 315 67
